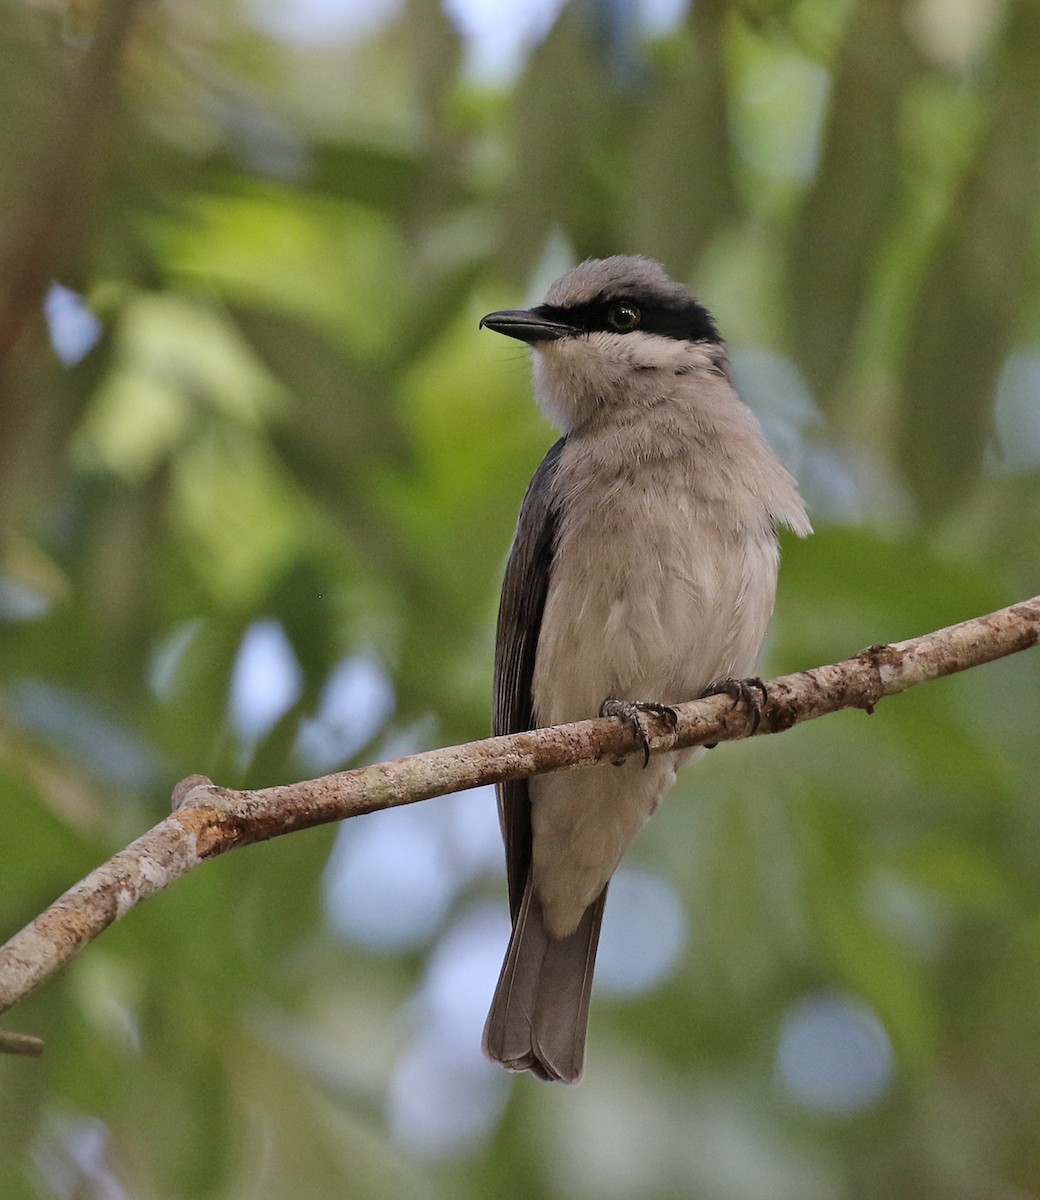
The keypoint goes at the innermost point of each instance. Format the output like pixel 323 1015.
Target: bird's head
pixel 612 331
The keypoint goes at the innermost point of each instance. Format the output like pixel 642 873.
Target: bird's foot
pixel 740 691
pixel 633 713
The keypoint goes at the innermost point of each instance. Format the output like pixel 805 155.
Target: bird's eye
pixel 623 316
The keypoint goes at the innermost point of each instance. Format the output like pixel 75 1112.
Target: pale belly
pixel 636 617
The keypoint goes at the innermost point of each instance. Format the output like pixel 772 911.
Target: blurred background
pixel 259 472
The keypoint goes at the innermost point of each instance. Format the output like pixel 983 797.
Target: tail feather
pixel 540 1011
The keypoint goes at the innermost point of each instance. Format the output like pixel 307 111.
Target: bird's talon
pixel 742 691
pixel 632 713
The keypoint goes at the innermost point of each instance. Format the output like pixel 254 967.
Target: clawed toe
pixel 632 713
pixel 742 691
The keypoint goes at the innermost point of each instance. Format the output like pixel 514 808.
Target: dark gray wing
pixel 520 610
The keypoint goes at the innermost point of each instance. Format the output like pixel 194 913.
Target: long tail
pixel 540 1012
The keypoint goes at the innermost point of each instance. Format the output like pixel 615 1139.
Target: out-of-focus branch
pixel 20 1043
pixel 36 236
pixel 209 820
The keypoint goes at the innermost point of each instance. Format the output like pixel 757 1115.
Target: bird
pixel 642 574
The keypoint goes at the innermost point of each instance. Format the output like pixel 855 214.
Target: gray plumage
pixel 643 568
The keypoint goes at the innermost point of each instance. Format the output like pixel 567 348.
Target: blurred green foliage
pixel 287 413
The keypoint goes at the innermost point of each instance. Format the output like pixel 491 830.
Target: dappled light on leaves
pixel 833 1057
pixel 644 934
pixel 258 475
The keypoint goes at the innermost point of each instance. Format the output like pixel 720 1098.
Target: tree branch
pixel 209 820
pixel 38 238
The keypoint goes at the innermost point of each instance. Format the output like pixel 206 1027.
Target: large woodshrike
pixel 643 569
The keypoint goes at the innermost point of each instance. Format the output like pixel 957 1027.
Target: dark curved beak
pixel 528 324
